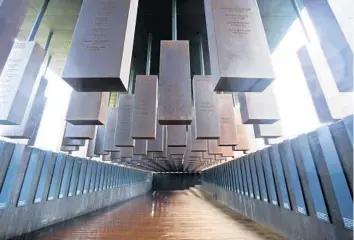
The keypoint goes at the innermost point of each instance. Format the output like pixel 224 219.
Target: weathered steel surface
pixel 79 132
pixel 69 148
pixel 157 145
pixel 140 147
pixel 228 134
pixel 73 142
pixel 124 121
pixel 259 108
pixel 145 108
pixel 176 150
pixel 88 108
pixel 126 152
pixel 99 140
pixel 273 130
pixel 227 151
pixel 32 114
pixel 239 55
pixel 175 103
pixel 100 53
pixel 12 14
pixel 111 124
pixel 115 155
pixel 196 145
pixel 205 112
pixel 18 79
pixel 213 147
pixel 176 136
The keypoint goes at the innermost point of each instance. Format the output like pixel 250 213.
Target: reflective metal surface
pixel 175 97
pixel 162 215
pixel 239 54
pixel 18 79
pixel 100 53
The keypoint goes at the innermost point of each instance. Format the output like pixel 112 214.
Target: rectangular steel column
pixel 145 108
pixel 205 112
pixel 124 121
pixel 102 45
pixel 17 80
pixel 87 108
pixel 12 13
pixel 239 55
pixel 175 98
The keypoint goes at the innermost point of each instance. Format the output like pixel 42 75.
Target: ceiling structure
pixel 154 16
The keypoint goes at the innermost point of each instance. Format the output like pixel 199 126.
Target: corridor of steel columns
pixel 180 214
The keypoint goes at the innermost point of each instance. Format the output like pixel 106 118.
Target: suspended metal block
pixel 124 121
pixel 176 136
pixel 145 108
pixel 17 80
pixel 228 135
pixel 239 55
pixel 213 147
pixel 227 151
pixel 73 142
pixel 259 108
pixel 175 104
pixel 69 148
pixel 111 124
pixel 115 155
pixel 13 13
pixel 157 145
pixel 91 148
pixel 99 141
pixel 88 108
pixel 32 114
pixel 106 158
pixel 126 152
pixel 273 130
pixel 140 147
pixel 101 48
pixel 79 132
pixel 196 145
pixel 205 111
pixel 176 150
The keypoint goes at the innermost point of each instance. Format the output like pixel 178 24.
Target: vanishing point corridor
pixel 184 214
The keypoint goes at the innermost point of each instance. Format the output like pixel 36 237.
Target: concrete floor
pixel 161 215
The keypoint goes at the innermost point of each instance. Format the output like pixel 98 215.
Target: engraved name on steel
pixel 145 108
pixel 17 80
pixel 101 49
pixel 175 101
pixel 12 15
pixel 228 134
pixel 205 114
pixel 32 115
pixel 111 124
pixel 124 121
pixel 239 55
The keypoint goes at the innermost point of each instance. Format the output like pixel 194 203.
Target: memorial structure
pixel 102 46
pixel 17 80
